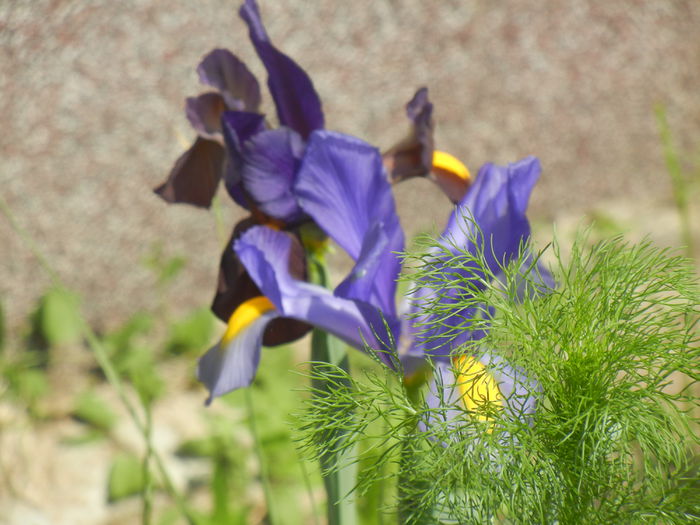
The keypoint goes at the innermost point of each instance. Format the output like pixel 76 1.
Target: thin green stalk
pixel 257 446
pixel 147 492
pixel 678 180
pixel 338 471
pixel 105 363
pixel 309 488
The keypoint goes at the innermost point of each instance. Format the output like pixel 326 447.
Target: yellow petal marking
pixel 446 162
pixel 476 385
pixel 244 315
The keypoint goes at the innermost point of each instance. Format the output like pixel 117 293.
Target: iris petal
pixel 204 113
pixel 271 161
pixel 195 176
pixel 298 105
pixel 496 203
pixel 238 127
pixel 226 367
pixel 222 70
pixel 265 253
pixel 341 184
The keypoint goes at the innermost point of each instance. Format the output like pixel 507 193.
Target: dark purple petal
pixel 413 156
pixel 271 159
pixel 235 287
pixel 238 127
pixel 238 86
pixel 265 253
pixel 298 105
pixel 341 185
pixel 195 176
pixel 204 113
pixel 226 368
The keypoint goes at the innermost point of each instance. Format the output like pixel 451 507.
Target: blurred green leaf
pixel 192 333
pixel 198 448
pixel 58 319
pixel 138 364
pixel 91 409
pixel 165 268
pixel 28 384
pixel 122 339
pixel 125 478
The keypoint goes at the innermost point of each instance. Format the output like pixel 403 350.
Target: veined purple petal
pixel 341 185
pixel 265 253
pixel 204 113
pixel 195 176
pixel 226 368
pixel 298 105
pixel 238 127
pixel 496 202
pixel 236 287
pixel 271 159
pixel 222 70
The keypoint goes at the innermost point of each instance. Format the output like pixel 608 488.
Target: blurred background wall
pixel 92 116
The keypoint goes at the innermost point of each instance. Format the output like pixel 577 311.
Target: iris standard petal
pixel 271 159
pixel 195 176
pixel 298 105
pixel 265 253
pixel 238 127
pixel 413 156
pixel 496 203
pixel 222 70
pixel 204 113
pixel 233 362
pixel 341 185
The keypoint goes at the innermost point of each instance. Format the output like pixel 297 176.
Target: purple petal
pixel 235 287
pixel 496 205
pixel 271 159
pixel 265 253
pixel 413 156
pixel 204 113
pixel 298 105
pixel 238 86
pixel 341 185
pixel 226 368
pixel 238 127
pixel 496 202
pixel 195 176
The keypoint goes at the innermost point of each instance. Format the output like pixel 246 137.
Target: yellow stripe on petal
pixel 446 162
pixel 244 315
pixel 477 387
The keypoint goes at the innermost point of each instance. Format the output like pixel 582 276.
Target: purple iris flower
pixel 342 186
pixel 258 164
pixel 236 100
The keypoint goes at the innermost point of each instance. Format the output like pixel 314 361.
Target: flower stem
pixel 338 471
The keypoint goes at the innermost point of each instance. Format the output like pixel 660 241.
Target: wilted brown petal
pixel 195 176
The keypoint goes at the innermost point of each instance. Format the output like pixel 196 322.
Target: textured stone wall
pixel 92 98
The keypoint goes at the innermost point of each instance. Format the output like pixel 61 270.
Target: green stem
pixel 257 445
pixel 147 492
pixel 338 470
